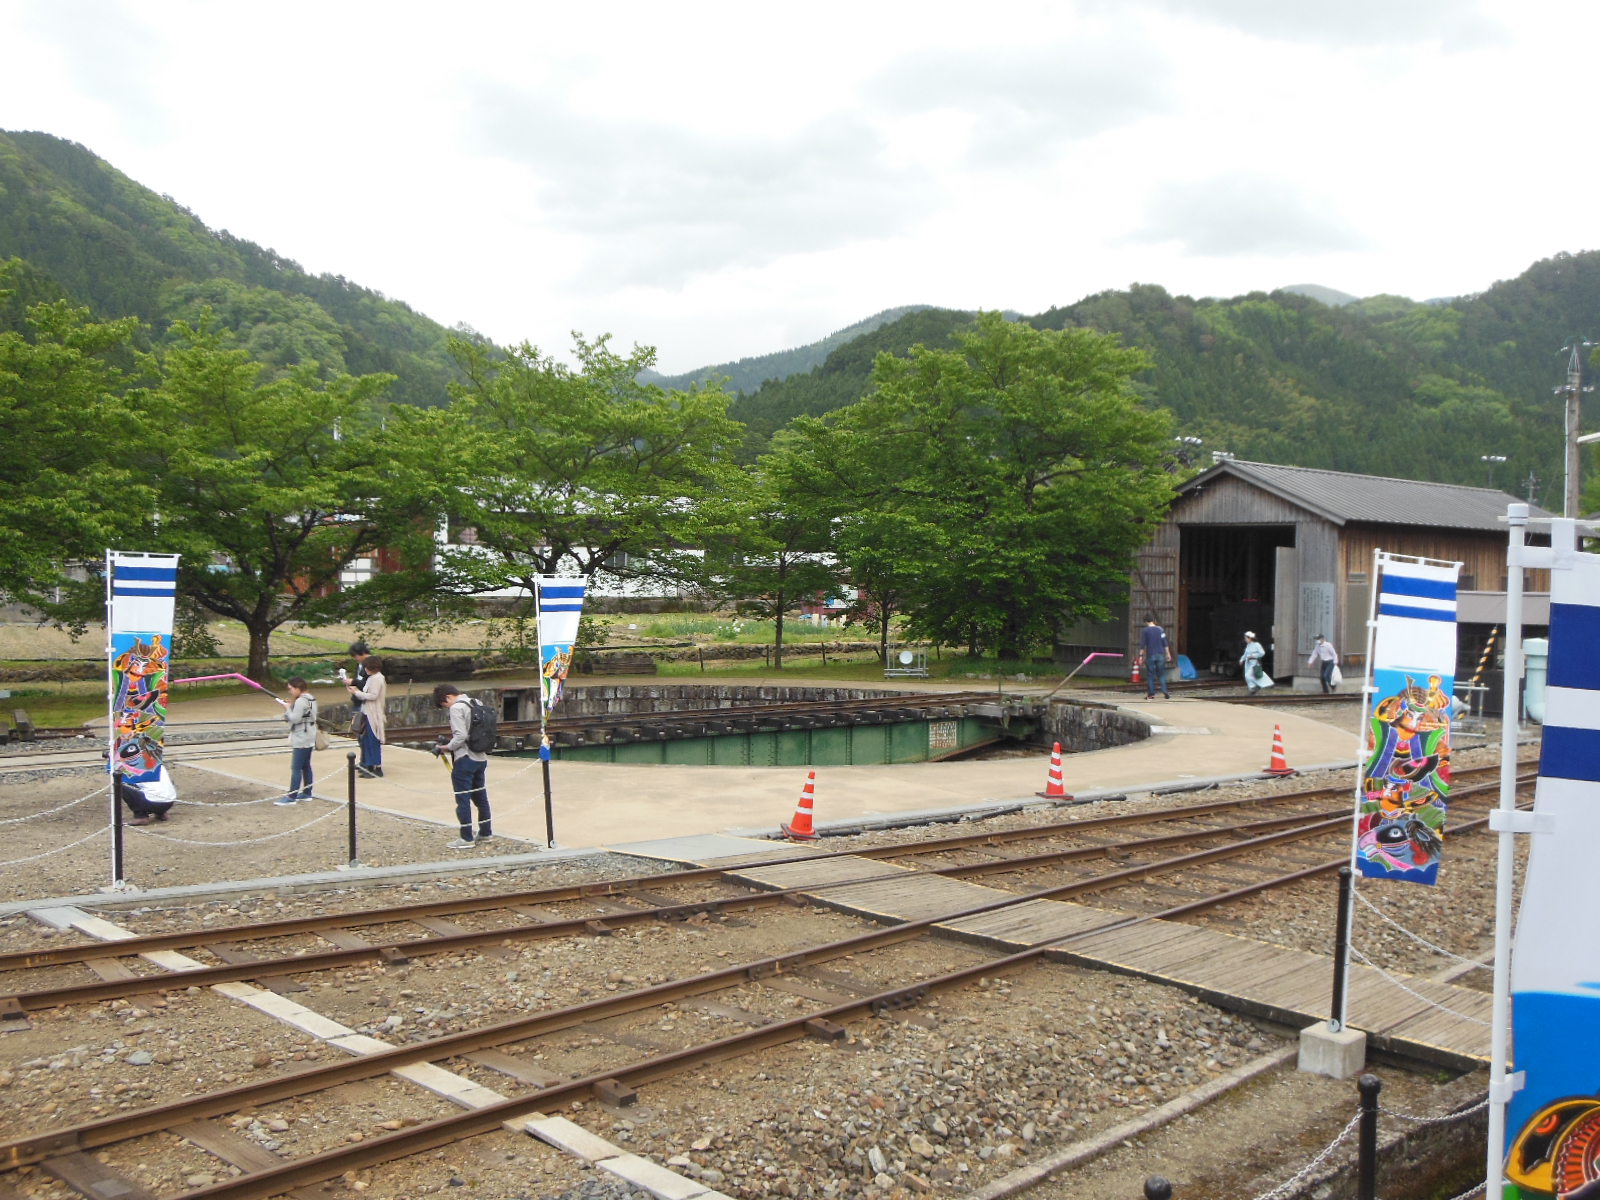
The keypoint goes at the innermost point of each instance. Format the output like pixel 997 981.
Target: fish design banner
pixel 141 593
pixel 1405 785
pixel 560 599
pixel 1553 1122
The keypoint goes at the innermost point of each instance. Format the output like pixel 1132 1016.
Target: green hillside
pixel 90 234
pixel 1384 385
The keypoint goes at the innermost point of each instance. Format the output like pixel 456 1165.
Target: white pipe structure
pixel 1501 1085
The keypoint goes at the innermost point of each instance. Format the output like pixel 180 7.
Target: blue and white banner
pixel 141 594
pixel 1554 1119
pixel 1405 784
pixel 560 599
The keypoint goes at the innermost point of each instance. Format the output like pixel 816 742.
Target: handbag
pixel 1335 677
pixel 358 724
pixel 321 740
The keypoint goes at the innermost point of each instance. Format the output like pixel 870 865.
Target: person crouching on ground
pixel 367 693
pixel 300 710
pixel 469 767
pixel 150 799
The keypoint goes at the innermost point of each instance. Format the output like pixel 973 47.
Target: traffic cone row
pixel 1280 764
pixel 802 830
pixel 1054 787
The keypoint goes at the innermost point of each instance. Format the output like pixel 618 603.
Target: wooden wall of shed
pixel 1230 501
pixel 1482 555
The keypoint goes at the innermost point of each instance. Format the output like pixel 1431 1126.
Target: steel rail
pixel 446 1130
pixel 400 951
pixel 83 952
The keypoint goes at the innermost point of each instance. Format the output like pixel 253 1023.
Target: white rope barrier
pixel 269 837
pixel 1418 938
pixel 57 849
pixel 100 791
pixel 1429 1001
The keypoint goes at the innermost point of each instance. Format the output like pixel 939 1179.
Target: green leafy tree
pixel 1023 469
pixel 62 497
pixel 548 466
pixel 766 547
pixel 270 490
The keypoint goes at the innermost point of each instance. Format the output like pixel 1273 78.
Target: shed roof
pixel 1342 497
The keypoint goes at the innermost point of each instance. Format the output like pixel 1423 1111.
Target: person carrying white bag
pixel 1255 677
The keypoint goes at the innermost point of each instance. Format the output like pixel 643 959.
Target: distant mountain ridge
pixel 1304 376
pixel 92 235
pixel 748 374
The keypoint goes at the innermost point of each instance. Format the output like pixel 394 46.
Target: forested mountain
pixel 748 374
pixel 89 234
pixel 1384 386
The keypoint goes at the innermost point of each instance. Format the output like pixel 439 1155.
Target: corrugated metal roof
pixel 1342 497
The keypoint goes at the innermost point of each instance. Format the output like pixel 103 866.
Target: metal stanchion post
pixel 116 828
pixel 1367 1182
pixel 1157 1188
pixel 350 791
pixel 1341 949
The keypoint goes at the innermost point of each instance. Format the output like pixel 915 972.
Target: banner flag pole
pixel 141 596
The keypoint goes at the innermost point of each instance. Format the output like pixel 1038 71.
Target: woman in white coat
pixel 371 693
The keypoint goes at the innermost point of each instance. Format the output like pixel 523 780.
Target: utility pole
pixel 1573 389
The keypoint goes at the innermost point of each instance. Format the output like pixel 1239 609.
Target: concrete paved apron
pixel 600 804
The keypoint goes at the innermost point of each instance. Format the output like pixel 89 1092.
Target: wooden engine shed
pixel 1287 552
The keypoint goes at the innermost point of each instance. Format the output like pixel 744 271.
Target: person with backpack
pixel 472 735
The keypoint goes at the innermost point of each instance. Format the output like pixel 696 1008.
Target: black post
pixel 549 806
pixel 350 791
pixel 1367 1184
pixel 116 826
pixel 1341 948
pixel 1157 1188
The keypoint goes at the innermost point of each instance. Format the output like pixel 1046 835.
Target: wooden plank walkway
pixel 1418 1018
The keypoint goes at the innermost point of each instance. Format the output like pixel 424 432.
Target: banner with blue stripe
pixel 141 597
pixel 1553 1121
pixel 1405 782
pixel 560 605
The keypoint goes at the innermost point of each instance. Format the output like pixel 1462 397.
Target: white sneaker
pixel 460 844
pixel 285 801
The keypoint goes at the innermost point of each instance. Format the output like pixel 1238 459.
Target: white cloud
pixel 722 180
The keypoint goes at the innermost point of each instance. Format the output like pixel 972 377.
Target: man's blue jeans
pixel 467 777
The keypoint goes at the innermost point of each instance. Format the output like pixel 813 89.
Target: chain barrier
pixel 1471 1191
pixel 100 791
pixel 57 849
pixel 1287 1188
pixel 1444 1120
pixel 1418 938
pixel 1428 1000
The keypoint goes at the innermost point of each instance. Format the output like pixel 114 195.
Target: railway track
pixel 1203 833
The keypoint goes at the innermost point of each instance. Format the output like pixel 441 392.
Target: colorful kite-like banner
pixel 1405 785
pixel 141 592
pixel 1554 1119
pixel 560 599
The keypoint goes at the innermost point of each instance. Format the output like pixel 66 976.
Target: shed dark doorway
pixel 1228 574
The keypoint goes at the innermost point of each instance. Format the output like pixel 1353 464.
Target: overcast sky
pixel 725 180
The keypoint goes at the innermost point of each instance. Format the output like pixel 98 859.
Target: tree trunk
pixel 260 641
pixel 777 636
pixel 883 633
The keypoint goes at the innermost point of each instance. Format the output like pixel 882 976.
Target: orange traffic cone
pixel 1280 764
pixel 801 830
pixel 1138 676
pixel 1054 788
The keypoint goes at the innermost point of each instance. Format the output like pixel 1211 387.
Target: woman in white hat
pixel 1250 660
